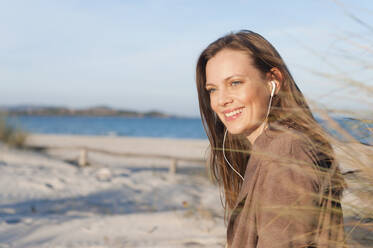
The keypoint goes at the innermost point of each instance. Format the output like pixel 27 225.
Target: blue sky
pixel 141 54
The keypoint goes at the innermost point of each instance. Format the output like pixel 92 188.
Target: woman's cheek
pixel 213 104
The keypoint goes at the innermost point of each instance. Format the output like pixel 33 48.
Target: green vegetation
pixel 11 135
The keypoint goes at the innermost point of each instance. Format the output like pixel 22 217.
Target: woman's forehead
pixel 228 63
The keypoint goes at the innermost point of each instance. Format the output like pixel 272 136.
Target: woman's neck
pixel 255 134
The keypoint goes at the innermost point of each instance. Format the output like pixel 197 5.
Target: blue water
pixel 150 127
pixel 120 126
pixel 358 129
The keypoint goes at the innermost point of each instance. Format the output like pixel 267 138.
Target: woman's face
pixel 239 94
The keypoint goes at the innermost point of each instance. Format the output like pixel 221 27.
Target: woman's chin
pixel 240 130
pixel 236 130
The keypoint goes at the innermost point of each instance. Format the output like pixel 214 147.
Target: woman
pixel 280 181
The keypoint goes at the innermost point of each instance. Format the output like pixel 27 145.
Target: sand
pixel 46 200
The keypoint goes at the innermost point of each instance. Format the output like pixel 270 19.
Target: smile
pixel 233 113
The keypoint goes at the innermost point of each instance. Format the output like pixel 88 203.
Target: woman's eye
pixel 211 90
pixel 234 83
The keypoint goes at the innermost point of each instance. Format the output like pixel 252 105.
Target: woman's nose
pixel 224 98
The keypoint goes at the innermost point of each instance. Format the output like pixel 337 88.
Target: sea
pixel 186 128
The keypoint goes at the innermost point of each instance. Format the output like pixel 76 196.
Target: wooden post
pixel 173 167
pixel 83 161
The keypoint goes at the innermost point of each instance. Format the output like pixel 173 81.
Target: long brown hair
pixel 289 109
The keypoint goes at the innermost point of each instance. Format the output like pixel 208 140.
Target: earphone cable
pixel 225 134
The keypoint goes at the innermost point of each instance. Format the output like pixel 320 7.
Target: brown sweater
pixel 284 199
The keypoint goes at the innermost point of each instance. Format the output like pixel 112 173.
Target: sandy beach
pixel 47 200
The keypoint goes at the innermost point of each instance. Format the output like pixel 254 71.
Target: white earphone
pixel 273 88
pixel 225 158
pixel 225 134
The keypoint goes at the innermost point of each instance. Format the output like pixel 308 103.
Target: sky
pixel 141 55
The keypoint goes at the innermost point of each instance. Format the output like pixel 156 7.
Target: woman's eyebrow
pixel 226 79
pixel 235 75
pixel 209 84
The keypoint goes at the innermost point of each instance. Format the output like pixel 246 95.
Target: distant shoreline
pixel 139 116
pixel 96 111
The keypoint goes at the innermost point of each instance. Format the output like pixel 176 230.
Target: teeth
pixel 233 113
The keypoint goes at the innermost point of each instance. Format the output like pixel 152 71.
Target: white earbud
pixel 273 88
pixel 272 94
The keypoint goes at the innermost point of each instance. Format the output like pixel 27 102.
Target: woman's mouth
pixel 232 114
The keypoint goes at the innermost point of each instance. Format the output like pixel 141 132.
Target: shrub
pixel 10 134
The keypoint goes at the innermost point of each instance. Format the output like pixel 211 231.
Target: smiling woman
pixel 237 89
pixel 281 183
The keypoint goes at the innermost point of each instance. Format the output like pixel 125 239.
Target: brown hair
pixel 288 109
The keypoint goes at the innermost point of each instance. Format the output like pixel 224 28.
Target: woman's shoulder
pixel 289 154
pixel 285 142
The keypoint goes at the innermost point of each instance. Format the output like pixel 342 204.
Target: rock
pixel 103 174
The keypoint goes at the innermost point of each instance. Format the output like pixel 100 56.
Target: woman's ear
pixel 276 76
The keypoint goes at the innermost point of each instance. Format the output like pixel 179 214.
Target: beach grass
pixel 10 134
pixel 355 159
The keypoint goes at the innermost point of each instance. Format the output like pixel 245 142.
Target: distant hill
pixel 100 110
